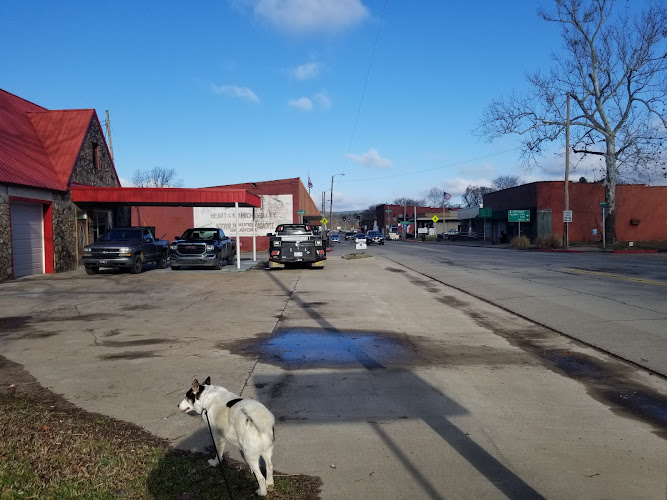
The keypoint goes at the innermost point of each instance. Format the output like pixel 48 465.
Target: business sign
pixel 361 245
pixel 275 210
pixel 518 215
pixel 567 215
pixel 484 213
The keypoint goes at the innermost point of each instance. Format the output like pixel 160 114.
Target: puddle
pixel 315 348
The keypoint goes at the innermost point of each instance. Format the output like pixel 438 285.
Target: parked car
pixel 202 247
pixel 126 247
pixel 375 237
pixel 360 238
pixel 452 234
pixel 335 238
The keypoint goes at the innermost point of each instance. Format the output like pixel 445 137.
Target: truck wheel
pixel 92 270
pixel 137 264
pixel 162 263
pixel 218 262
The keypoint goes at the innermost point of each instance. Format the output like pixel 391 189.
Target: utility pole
pixel 566 235
pixel 109 136
pixel 331 209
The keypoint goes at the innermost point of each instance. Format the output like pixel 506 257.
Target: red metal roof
pixel 39 147
pixel 175 197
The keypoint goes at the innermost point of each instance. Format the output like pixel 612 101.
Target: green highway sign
pixel 518 215
pixel 485 213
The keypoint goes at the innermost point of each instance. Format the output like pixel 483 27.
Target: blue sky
pixel 227 91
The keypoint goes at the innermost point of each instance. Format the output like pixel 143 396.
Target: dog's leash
pixel 215 447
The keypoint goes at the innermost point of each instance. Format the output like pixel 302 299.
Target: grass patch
pixel 353 256
pixel 550 241
pixel 520 242
pixel 51 449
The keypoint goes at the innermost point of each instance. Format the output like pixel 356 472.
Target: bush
pixel 520 242
pixel 550 241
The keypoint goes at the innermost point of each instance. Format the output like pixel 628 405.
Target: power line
pixel 363 92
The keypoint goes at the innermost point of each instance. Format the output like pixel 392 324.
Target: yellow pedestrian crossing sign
pixel 324 221
pixel 435 218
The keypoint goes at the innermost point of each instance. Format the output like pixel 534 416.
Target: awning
pixel 165 197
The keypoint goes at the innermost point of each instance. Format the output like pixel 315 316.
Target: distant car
pixel 350 235
pixel 360 238
pixel 452 234
pixel 335 238
pixel 375 237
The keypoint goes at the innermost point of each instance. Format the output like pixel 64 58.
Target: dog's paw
pixel 213 462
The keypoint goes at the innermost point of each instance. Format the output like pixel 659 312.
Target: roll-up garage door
pixel 27 238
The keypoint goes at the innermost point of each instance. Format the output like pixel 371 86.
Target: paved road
pixel 615 302
pixel 385 383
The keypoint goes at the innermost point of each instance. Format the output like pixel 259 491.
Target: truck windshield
pixel 293 230
pixel 121 235
pixel 200 234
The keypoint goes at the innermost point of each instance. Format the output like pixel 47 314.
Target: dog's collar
pixel 233 402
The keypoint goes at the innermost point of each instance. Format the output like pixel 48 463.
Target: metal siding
pixel 164 196
pixel 27 223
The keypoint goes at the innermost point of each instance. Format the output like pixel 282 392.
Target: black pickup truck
pixel 296 243
pixel 201 246
pixel 127 247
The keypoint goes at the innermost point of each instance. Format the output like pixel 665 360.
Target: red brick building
pixel 641 211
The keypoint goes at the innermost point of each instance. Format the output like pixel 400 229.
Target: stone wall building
pixel 43 153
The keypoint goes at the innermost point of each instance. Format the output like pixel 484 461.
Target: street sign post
pixel 518 216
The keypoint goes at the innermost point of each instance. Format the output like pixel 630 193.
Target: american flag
pixel 447 195
pixel 310 183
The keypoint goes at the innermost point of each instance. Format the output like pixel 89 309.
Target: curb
pixel 634 251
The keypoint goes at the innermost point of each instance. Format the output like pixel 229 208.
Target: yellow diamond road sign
pixel 324 220
pixel 435 218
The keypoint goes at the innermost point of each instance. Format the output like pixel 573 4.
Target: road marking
pixel 616 276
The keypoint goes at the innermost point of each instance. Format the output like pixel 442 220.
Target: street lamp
pixel 331 208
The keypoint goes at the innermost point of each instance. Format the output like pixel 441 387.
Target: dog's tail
pixel 264 423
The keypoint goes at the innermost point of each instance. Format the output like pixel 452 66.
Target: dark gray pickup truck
pixel 201 246
pixel 127 247
pixel 296 243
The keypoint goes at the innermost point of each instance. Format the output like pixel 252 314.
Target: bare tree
pixel 472 197
pixel 436 198
pixel 505 182
pixel 405 201
pixel 156 177
pixel 614 68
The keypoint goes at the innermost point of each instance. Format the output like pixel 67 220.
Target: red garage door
pixel 27 223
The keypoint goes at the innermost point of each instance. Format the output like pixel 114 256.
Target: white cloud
pixel 371 158
pixel 235 91
pixel 307 104
pixel 311 16
pixel 125 183
pixel 306 71
pixel 322 98
pixel 302 104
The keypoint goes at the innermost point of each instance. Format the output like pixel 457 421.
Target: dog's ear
pixel 207 381
pixel 195 385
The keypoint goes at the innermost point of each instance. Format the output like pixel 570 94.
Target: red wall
pixel 175 220
pixel 647 204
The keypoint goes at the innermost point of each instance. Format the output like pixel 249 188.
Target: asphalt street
pixel 385 383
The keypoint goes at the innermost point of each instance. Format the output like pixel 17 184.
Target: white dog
pixel 244 423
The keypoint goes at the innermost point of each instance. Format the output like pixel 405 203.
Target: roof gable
pixel 62 133
pixel 39 147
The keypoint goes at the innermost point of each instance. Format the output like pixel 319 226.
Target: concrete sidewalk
pixel 384 383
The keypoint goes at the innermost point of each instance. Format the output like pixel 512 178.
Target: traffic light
pixel 344 219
